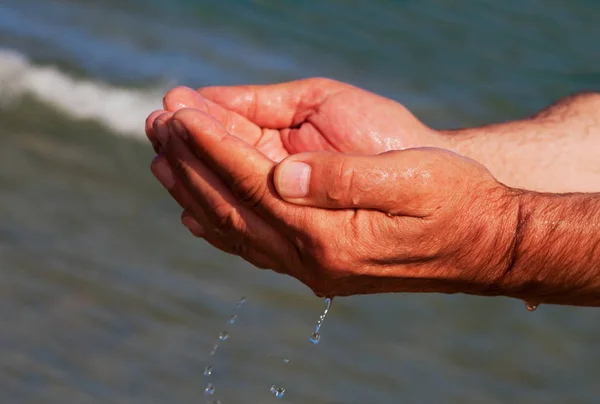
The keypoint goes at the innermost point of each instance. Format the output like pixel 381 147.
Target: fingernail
pixel 193 225
pixel 164 174
pixel 179 129
pixel 293 179
pixel 162 132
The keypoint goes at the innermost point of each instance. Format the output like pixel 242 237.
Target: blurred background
pixel 106 298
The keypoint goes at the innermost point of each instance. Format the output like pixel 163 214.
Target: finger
pixel 275 106
pixel 194 225
pixel 150 129
pixel 246 171
pixel 160 129
pixel 235 124
pixel 395 182
pixel 162 171
pixel 183 97
pixel 238 227
pixel 194 217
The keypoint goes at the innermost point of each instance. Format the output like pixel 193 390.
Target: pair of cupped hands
pixel 340 188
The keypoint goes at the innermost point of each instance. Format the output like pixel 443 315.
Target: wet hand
pixel 419 220
pixel 306 115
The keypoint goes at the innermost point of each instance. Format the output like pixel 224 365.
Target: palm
pixel 340 118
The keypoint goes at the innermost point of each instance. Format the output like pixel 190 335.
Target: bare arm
pixel 556 150
pixel 557 250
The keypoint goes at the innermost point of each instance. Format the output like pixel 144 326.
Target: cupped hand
pixel 418 220
pixel 306 115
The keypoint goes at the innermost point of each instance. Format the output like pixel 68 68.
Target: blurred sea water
pixel 106 298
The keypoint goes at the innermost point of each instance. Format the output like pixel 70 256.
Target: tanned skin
pixel 350 193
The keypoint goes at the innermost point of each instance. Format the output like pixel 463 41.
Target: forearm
pixel 557 250
pixel 557 150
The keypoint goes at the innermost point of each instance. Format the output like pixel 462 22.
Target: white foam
pixel 122 110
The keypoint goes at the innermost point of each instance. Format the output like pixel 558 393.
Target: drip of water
pixel 531 306
pixel 286 360
pixel 223 336
pixel 209 390
pixel 278 392
pixel 241 302
pixel 315 338
pixel 214 350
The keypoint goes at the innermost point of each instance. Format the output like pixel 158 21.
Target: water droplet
pixel 223 336
pixel 390 215
pixel 286 360
pixel 232 319
pixel 208 370
pixel 316 336
pixel 531 306
pixel 278 392
pixel 210 389
pixel 241 302
pixel 214 350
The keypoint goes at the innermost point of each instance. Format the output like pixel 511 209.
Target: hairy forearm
pixel 556 150
pixel 557 250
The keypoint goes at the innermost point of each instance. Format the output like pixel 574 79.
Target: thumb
pixel 387 182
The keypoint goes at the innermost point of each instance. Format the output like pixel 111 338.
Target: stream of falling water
pixel 210 390
pixel 315 338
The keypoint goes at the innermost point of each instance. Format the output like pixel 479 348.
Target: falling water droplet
pixel 286 360
pixel 241 302
pixel 208 370
pixel 315 338
pixel 278 392
pixel 232 318
pixel 531 306
pixel 214 350
pixel 210 389
pixel 223 336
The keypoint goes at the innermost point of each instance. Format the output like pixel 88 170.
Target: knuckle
pixel 342 182
pixel 226 219
pixel 250 190
pixel 238 248
pixel 179 166
pixel 323 81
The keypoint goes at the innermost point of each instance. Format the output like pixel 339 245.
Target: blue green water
pixel 105 298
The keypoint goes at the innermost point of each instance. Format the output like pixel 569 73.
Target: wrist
pixel 556 250
pixel 498 253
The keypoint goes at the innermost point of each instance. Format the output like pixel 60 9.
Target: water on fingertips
pixel 531 306
pixel 107 298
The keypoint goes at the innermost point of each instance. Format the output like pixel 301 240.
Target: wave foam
pixel 122 110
